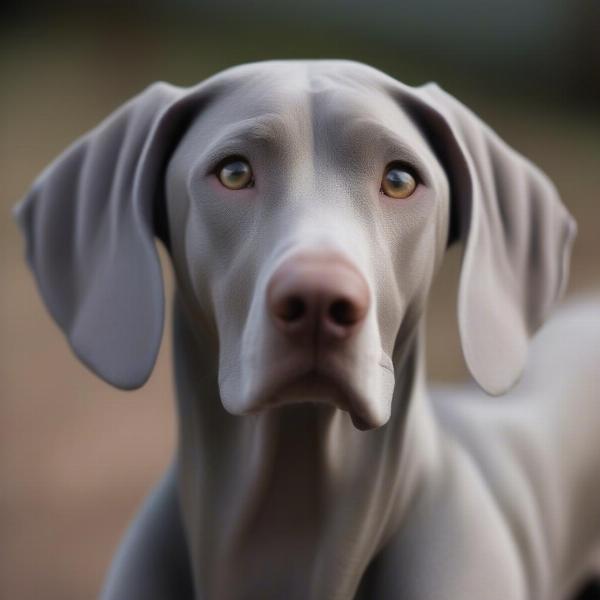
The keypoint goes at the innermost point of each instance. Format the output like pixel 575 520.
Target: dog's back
pixel 538 447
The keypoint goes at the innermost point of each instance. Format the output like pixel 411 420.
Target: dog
pixel 306 207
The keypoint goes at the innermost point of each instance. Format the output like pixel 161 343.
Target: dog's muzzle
pixel 318 303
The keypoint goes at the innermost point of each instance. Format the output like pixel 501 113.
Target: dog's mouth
pixel 323 382
pixel 323 388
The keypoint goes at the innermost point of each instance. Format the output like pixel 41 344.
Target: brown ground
pixel 77 457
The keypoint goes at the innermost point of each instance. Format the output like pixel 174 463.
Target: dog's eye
pixel 235 173
pixel 398 182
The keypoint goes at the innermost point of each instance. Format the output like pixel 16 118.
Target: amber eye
pixel 398 182
pixel 235 173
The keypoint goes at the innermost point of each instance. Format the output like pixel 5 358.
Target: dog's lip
pixel 347 399
pixel 386 362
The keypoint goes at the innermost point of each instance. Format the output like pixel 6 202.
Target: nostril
pixel 345 312
pixel 320 295
pixel 291 309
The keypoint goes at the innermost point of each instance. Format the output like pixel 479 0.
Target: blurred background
pixel 77 457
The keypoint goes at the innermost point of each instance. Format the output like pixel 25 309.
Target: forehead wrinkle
pixel 375 136
pixel 359 120
pixel 270 129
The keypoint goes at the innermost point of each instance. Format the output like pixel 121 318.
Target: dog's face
pixel 307 206
pixel 307 216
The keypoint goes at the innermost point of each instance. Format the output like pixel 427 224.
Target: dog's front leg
pixel 453 543
pixel 152 562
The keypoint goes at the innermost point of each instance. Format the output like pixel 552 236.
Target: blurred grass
pixel 76 456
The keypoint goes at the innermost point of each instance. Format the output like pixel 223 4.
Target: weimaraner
pixel 306 207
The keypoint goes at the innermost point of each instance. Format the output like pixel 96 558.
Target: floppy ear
pixel 517 236
pixel 89 226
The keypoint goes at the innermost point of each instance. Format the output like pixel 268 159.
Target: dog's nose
pixel 318 294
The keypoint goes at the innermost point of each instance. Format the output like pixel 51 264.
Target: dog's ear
pixel 89 226
pixel 517 238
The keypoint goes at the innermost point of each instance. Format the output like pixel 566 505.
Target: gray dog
pixel 306 207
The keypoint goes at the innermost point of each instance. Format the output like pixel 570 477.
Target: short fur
pixel 274 492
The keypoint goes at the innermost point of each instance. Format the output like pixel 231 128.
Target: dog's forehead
pixel 318 93
pixel 304 75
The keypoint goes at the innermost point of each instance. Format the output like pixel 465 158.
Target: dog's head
pixel 306 206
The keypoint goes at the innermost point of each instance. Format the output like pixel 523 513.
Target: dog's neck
pixel 287 503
